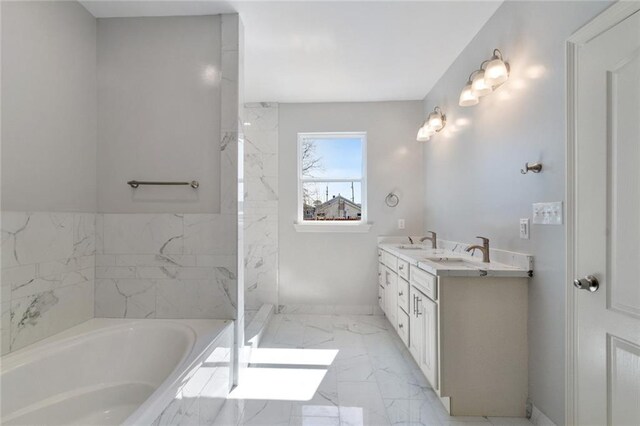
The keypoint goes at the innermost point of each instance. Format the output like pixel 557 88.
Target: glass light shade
pixel 496 72
pixel 468 97
pixel 424 134
pixel 480 86
pixel 435 121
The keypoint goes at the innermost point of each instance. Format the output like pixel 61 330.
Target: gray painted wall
pixel 159 113
pixel 48 107
pixel 338 268
pixel 473 184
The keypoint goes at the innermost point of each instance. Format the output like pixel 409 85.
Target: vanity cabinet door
pixel 391 297
pixel 416 326
pixel 428 311
pixel 381 297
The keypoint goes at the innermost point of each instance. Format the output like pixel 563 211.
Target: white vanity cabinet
pixel 391 297
pixel 424 335
pixel 467 333
pixel 393 293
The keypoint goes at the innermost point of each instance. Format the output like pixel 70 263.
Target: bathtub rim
pixel 204 335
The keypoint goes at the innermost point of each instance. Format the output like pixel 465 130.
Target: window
pixel 332 178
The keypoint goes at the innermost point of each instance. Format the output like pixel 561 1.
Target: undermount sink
pixel 455 261
pixel 403 247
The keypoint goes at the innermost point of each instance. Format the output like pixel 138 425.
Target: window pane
pixel 334 158
pixel 332 201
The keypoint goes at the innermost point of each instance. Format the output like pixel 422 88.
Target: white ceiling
pixel 305 51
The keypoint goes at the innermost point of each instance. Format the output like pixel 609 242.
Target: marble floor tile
pixel 371 381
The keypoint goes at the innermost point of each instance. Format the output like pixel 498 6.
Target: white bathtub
pixel 106 371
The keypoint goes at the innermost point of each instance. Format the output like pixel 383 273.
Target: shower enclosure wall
pixel 87 105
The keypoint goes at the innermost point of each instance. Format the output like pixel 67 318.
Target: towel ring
pixel 391 200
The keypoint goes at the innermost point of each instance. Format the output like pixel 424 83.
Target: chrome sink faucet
pixel 484 248
pixel 433 238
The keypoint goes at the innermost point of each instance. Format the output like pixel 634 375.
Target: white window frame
pixel 361 225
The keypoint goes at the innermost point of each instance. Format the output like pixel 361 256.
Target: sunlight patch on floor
pixel 284 384
pixel 285 356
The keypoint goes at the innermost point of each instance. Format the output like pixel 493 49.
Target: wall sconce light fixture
pixel 434 123
pixel 492 73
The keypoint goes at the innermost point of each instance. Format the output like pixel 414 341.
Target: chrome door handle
pixel 418 300
pixel 587 283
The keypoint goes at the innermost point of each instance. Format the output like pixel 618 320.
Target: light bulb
pixel 468 97
pixel 435 121
pixel 423 134
pixel 479 84
pixel 496 72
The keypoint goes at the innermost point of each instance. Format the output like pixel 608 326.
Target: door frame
pixel 610 17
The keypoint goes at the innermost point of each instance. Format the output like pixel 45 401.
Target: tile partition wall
pixel 261 205
pixel 165 266
pixel 47 274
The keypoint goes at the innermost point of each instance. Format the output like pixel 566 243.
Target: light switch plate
pixel 400 223
pixel 524 228
pixel 547 213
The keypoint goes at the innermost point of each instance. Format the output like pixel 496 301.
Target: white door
pixel 607 227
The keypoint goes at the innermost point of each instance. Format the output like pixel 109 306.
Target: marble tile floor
pixel 342 370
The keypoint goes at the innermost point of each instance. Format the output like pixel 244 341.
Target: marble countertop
pixel 445 262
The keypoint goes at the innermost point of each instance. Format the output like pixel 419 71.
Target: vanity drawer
pixel 403 295
pixel 403 327
pixel 424 281
pixel 403 269
pixel 390 261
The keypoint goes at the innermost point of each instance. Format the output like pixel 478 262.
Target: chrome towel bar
pixel 136 183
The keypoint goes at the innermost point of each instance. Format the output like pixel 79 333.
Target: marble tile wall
pixel 202 396
pixel 48 266
pixel 261 205
pixel 165 266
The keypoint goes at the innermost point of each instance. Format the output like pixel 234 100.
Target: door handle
pixel 418 300
pixel 400 294
pixel 589 282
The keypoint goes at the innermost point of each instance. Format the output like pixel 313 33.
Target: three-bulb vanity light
pixel 491 75
pixel 434 123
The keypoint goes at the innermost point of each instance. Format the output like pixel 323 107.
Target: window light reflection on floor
pixel 284 374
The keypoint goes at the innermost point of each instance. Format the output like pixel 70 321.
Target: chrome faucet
pixel 433 238
pixel 410 240
pixel 484 248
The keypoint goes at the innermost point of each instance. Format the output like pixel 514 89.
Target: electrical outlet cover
pixel 524 229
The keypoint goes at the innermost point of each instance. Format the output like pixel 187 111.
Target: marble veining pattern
pixel 48 268
pixel 261 204
pixel 373 379
pixel 165 266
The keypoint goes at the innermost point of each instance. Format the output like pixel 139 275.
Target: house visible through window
pixel 332 177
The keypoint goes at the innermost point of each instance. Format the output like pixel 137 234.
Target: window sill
pixel 332 227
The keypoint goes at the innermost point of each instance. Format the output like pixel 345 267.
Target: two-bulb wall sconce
pixel 492 74
pixel 434 123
